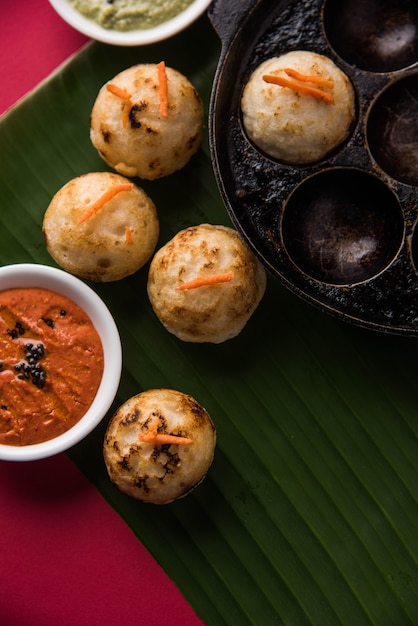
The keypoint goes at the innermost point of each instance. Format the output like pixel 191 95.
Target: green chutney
pixel 125 15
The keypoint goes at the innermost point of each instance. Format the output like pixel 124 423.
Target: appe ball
pixel 134 134
pixel 101 227
pixel 291 124
pixel 205 284
pixel 159 445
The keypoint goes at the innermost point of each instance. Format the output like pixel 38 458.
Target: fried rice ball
pixel 159 445
pixel 213 312
pixel 101 227
pixel 289 124
pixel 131 131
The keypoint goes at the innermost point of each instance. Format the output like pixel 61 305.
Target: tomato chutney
pixel 51 365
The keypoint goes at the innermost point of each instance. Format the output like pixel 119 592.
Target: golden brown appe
pixel 115 240
pixel 210 313
pixel 159 471
pixel 291 125
pixel 129 131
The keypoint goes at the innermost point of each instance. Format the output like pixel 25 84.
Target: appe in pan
pixel 298 107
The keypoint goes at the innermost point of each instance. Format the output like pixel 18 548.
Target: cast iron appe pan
pixel 268 201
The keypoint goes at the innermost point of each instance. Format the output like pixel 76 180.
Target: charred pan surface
pixel 261 193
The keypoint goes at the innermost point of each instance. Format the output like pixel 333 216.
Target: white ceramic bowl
pixel 134 37
pixel 33 275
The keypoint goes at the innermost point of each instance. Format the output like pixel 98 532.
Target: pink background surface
pixel 67 558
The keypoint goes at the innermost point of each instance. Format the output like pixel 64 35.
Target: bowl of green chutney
pixel 129 22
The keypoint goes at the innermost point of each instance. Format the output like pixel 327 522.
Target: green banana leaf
pixel 309 513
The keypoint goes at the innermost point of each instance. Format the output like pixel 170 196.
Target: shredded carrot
pixel 104 198
pixel 121 92
pixel 316 80
pixel 162 438
pixel 128 235
pixel 125 113
pixel 163 88
pixel 299 87
pixel 201 281
pixel 153 436
pixel 118 91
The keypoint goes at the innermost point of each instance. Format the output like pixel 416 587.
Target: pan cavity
pixel 342 226
pixel 374 35
pixel 392 130
pixel 414 247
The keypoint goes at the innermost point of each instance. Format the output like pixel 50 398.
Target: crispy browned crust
pixel 99 249
pixel 159 473
pixel 211 313
pixel 139 141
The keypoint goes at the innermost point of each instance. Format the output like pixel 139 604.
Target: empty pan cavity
pixel 392 130
pixel 374 35
pixel 342 226
pixel 414 247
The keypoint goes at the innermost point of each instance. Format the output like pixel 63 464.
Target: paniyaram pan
pixel 341 233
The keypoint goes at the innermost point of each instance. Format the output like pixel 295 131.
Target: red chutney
pixel 51 365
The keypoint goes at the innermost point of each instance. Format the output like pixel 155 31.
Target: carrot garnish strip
pixel 316 80
pixel 162 438
pixel 202 281
pixel 121 92
pixel 104 198
pixel 128 235
pixel 153 436
pixel 125 113
pixel 118 91
pixel 306 90
pixel 163 88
